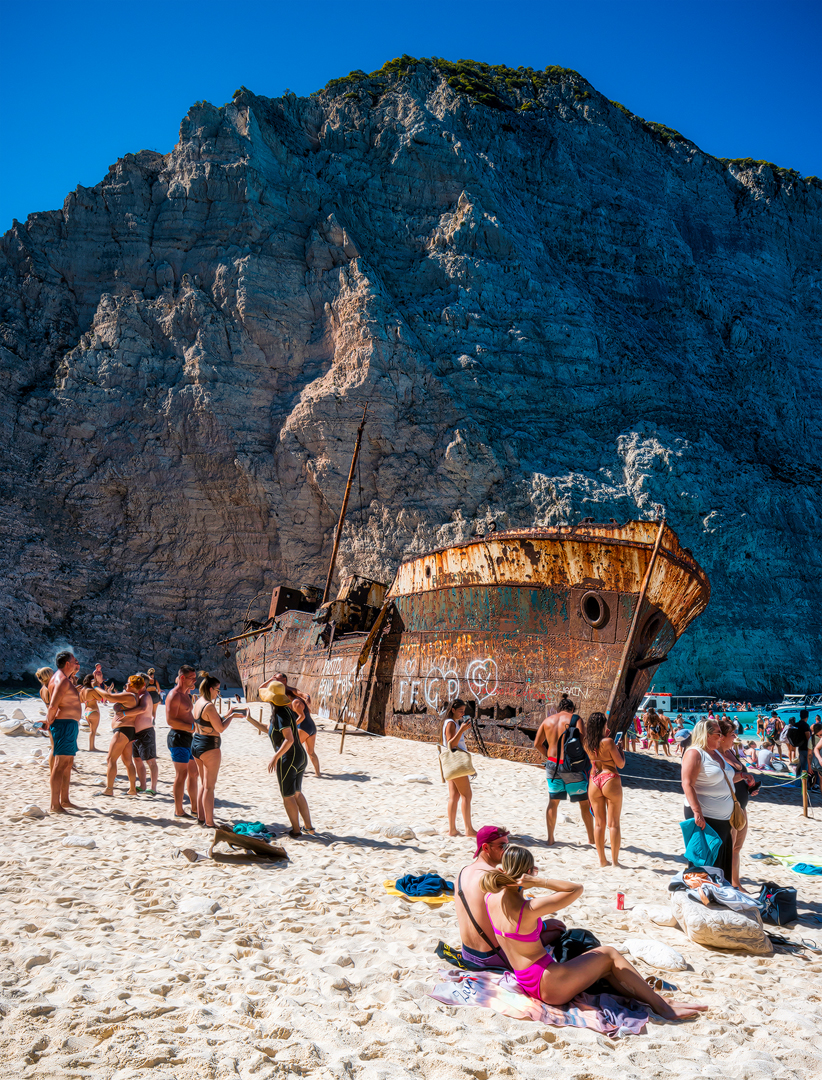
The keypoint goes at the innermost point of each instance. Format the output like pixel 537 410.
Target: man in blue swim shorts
pixel 180 719
pixel 63 720
pixel 562 783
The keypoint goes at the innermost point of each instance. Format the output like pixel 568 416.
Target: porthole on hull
pixel 651 629
pixel 594 610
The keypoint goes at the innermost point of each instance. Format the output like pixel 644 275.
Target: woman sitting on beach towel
pixel 517 923
pixel 604 786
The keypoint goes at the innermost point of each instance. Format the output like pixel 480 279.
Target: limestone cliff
pixel 554 308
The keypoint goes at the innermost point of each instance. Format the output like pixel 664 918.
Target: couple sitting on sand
pixel 502 930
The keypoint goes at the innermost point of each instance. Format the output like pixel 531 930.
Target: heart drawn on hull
pixel 482 678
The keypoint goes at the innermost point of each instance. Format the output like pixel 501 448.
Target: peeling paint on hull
pixel 507 623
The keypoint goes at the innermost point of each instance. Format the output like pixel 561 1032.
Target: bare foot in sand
pixel 455 833
pixel 56 810
pixel 681 1010
pixel 604 865
pixel 70 806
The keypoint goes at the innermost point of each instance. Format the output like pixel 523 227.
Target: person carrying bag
pixel 456 766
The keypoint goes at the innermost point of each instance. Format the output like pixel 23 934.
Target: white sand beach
pixel 309 968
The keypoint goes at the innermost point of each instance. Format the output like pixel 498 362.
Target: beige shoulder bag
pixel 738 818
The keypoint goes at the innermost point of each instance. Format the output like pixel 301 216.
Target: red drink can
pixel 620 901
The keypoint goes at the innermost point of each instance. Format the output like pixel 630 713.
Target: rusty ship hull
pixel 507 622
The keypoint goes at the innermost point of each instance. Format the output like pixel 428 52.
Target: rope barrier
pixel 665 780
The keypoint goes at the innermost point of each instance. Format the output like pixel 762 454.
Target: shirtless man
pixel 63 721
pixel 478 950
pixel 562 785
pixel 180 719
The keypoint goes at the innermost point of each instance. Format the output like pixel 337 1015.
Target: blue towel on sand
pixel 701 845
pixel 252 828
pixel 423 885
pixel 806 868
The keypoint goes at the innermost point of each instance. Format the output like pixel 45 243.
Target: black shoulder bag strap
pixel 477 927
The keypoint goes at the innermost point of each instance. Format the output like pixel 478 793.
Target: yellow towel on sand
pixel 433 901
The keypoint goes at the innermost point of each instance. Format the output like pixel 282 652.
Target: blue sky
pixel 87 82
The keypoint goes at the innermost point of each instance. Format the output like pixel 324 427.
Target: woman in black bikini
pixel 153 688
pixel 205 745
pixel 133 701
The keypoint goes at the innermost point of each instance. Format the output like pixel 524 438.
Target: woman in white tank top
pixel 459 790
pixel 707 781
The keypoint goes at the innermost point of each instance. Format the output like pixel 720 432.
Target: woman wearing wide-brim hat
pixel 290 758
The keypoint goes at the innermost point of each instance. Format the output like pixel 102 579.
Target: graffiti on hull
pixel 335 697
pixel 441 682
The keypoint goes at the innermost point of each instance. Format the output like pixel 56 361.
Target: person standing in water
pixel 605 786
pixel 63 720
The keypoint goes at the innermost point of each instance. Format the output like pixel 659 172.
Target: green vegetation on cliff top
pixel 494 85
pixel 511 89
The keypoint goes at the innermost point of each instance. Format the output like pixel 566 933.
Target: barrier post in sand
pixel 342 738
pixel 804 794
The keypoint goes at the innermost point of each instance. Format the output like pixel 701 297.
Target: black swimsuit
pixel 201 743
pixel 307 725
pixel 291 765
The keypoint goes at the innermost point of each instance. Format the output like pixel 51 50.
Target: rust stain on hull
pixel 507 623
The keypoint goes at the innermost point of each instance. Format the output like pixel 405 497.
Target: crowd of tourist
pixel 500 928
pixel 196 727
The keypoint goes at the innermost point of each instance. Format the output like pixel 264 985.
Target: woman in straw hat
pixel 290 758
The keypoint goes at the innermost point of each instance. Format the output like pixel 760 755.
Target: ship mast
pixel 338 533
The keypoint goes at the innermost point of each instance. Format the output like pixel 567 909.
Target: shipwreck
pixel 507 621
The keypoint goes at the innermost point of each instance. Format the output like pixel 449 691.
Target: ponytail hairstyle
pixel 135 684
pixel 516 861
pixel 208 684
pixel 455 704
pixel 595 731
pixel 565 704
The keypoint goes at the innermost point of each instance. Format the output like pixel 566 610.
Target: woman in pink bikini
pixel 604 786
pixel 517 922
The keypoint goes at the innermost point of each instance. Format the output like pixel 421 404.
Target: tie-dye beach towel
pixel 614 1016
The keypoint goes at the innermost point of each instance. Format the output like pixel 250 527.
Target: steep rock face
pixel 553 310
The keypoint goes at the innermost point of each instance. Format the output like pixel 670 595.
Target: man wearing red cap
pixel 480 947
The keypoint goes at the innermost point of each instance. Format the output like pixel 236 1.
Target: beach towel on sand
pixel 424 885
pixel 432 901
pixel 252 828
pixel 613 1016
